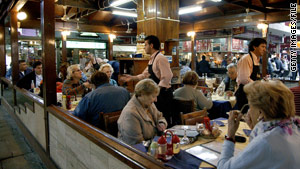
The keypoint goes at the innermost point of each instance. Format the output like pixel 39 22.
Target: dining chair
pixel 193 117
pixel 180 106
pixel 110 122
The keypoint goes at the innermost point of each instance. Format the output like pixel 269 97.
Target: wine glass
pixel 184 139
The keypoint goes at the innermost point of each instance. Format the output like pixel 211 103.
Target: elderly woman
pixel 108 70
pixel 140 120
pixel 275 136
pixel 72 85
pixel 189 91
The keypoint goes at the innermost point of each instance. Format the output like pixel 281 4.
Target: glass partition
pixel 23 100
pixel 8 93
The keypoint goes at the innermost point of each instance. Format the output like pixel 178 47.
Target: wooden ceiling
pixel 95 16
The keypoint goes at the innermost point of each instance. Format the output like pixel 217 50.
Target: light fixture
pixel 112 37
pixel 118 3
pixel 21 15
pixel 65 33
pixel 216 0
pixel 191 34
pixel 88 34
pixel 262 26
pixel 189 9
pixel 124 13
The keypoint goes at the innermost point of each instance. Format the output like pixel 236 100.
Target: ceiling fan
pixel 248 18
pixel 129 30
pixel 65 17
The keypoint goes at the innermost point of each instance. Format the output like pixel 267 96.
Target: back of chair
pixel 110 122
pixel 181 106
pixel 193 117
pixel 205 89
pixel 201 82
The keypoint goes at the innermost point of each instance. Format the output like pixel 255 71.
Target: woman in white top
pixel 275 138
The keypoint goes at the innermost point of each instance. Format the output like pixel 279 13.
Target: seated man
pixel 23 70
pixel 105 98
pixel 36 77
pixel 229 83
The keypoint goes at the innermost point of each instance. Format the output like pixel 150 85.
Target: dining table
pixel 221 105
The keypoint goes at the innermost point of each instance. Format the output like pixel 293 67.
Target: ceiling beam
pixel 250 6
pixel 93 5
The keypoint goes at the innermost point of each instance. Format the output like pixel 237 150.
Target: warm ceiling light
pixel 262 26
pixel 119 2
pixel 216 0
pixel 192 34
pixel 124 13
pixel 189 9
pixel 21 15
pixel 65 33
pixel 112 37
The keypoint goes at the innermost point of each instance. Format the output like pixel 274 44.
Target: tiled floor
pixel 15 152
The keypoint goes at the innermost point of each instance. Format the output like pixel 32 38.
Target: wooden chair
pixel 201 82
pixel 193 117
pixel 110 122
pixel 180 106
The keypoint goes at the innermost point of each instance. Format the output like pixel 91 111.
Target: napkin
pixel 184 160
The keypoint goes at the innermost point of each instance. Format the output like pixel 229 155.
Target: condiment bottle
pixel 169 152
pixel 162 148
pixel 207 123
pixel 68 102
pixel 64 101
pixel 176 144
pixel 154 149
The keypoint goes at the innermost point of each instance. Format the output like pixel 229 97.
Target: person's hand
pixel 161 127
pixel 87 85
pixel 252 118
pixel 126 78
pixel 233 123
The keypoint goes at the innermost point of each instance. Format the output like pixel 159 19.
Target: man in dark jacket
pixel 33 79
pixel 204 67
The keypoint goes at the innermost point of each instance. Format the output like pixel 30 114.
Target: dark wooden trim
pixel 35 98
pixel 110 49
pixel 2 50
pixel 112 145
pixel 193 46
pixel 7 81
pixel 14 46
pixel 63 48
pixel 33 142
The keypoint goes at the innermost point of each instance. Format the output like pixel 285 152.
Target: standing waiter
pixel 158 70
pixel 248 69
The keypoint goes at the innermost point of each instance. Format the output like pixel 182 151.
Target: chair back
pixel 205 89
pixel 110 122
pixel 201 82
pixel 180 106
pixel 193 117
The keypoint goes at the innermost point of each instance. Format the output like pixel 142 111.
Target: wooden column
pixel 160 18
pixel 110 49
pixel 14 46
pixel 2 50
pixel 193 65
pixel 64 48
pixel 265 56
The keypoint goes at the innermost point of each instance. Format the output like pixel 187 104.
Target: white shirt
pixel 38 79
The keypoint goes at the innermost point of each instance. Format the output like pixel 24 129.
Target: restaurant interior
pixel 66 32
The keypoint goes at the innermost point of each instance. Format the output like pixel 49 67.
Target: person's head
pixel 74 72
pixel 272 99
pixel 37 67
pixel 203 57
pixel 99 78
pixel 231 71
pixel 152 44
pixel 22 65
pixel 183 63
pixel 190 78
pixel 258 46
pixel 146 91
pixel 107 69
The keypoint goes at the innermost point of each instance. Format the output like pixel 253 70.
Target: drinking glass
pixel 185 139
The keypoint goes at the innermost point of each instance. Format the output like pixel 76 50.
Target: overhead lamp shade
pixel 191 34
pixel 21 15
pixel 124 13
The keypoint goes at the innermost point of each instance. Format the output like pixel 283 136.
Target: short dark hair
pixel 22 61
pixel 37 63
pixel 256 42
pixel 153 40
pixel 203 57
pixel 99 78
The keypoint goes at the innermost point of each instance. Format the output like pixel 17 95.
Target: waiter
pixel 248 69
pixel 158 70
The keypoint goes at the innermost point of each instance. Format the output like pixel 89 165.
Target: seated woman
pixel 275 135
pixel 72 85
pixel 140 120
pixel 108 70
pixel 189 91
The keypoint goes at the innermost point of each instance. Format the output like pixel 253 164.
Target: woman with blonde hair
pixel 72 85
pixel 140 120
pixel 275 135
pixel 189 91
pixel 108 70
